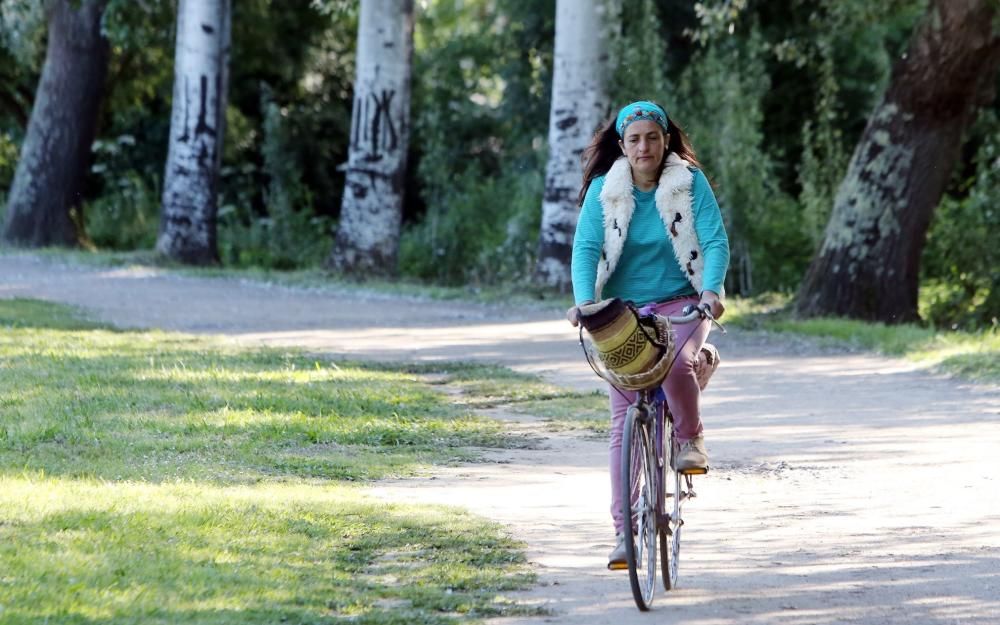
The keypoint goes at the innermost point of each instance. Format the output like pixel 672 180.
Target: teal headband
pixel 640 111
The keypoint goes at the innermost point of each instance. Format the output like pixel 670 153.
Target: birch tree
pixel 197 128
pixel 44 203
pixel 579 104
pixel 868 264
pixel 367 239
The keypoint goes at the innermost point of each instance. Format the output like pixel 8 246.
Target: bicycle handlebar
pixel 692 313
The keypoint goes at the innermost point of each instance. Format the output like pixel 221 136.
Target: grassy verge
pixel 973 355
pixel 148 477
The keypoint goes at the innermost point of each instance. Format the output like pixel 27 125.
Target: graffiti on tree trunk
pixel 374 131
pixel 202 126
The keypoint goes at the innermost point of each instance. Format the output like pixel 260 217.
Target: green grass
pixel 488 386
pixel 148 477
pixel 86 551
pixel 972 355
pixel 573 411
pixel 193 408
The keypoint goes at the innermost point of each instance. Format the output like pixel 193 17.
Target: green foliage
pixel 8 160
pixel 774 98
pixel 126 215
pixel 481 231
pixel 479 118
pixel 304 53
pixel 961 263
pixel 720 93
pixel 22 29
pixel 633 46
pixel 824 159
pixel 289 235
pixel 19 63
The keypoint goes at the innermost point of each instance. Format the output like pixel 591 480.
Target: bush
pixel 8 161
pixel 960 285
pixel 481 231
pixel 288 235
pixel 125 215
pixel 719 104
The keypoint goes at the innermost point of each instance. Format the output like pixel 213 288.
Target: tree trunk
pixel 44 203
pixel 579 104
pixel 367 240
pixel 197 129
pixel 867 266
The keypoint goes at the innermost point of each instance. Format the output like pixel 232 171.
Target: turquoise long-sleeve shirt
pixel 647 270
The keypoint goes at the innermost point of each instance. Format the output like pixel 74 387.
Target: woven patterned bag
pixel 637 352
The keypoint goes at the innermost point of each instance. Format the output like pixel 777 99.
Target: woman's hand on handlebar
pixel 714 303
pixel 573 314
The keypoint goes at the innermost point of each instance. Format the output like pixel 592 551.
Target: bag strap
pixel 642 326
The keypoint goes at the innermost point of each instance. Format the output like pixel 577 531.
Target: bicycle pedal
pixel 694 471
pixel 617 566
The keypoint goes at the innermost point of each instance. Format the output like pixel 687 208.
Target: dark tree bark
pixel 55 154
pixel 868 264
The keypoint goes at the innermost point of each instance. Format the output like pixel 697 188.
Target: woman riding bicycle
pixel 650 231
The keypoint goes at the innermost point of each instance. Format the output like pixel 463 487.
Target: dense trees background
pixel 775 96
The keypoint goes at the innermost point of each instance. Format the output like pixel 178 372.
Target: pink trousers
pixel 681 388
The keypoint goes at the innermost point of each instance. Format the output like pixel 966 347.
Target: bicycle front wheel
pixel 670 535
pixel 639 507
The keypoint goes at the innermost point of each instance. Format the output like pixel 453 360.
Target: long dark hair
pixel 603 151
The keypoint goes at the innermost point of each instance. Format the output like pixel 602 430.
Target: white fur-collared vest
pixel 673 201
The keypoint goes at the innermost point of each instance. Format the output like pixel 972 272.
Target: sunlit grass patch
pixel 85 551
pixel 78 401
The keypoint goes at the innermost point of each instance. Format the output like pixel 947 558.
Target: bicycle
pixel 650 481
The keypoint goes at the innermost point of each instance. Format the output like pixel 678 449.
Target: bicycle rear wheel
pixel 639 507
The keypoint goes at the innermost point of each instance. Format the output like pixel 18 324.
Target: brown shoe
pixel 708 361
pixel 692 457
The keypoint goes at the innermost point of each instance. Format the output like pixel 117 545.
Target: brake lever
pixel 706 313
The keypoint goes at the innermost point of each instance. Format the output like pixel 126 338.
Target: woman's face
pixel 644 145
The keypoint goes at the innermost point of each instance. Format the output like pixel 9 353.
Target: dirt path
pixel 845 488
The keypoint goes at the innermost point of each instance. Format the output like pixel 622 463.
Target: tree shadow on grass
pixel 37 314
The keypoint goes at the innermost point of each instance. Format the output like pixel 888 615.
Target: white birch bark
pixel 371 212
pixel 579 104
pixel 197 128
